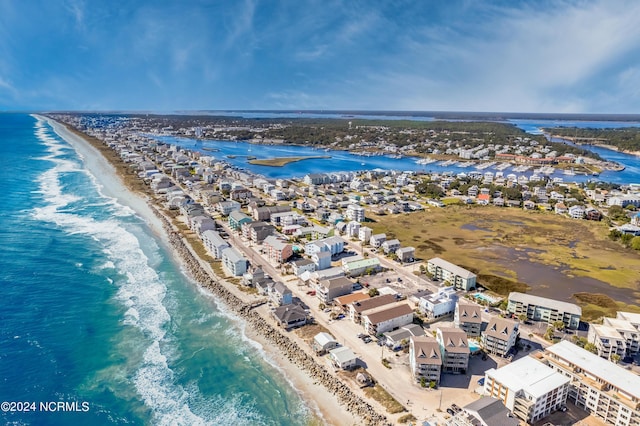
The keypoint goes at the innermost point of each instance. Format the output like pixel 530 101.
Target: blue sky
pixel 454 55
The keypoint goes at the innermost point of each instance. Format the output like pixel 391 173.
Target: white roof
pixel 342 354
pixel 323 338
pixel 454 269
pixel 606 331
pixel 544 302
pixel 619 324
pixel 530 376
pixel 609 372
pixel 632 317
pixel 233 255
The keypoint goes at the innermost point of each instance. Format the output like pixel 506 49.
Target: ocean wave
pixel 237 332
pixel 140 290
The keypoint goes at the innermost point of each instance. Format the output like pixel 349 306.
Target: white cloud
pixel 513 59
pixel 76 9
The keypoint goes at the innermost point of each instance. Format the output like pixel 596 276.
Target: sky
pixel 563 56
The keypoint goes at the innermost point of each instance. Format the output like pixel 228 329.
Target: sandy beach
pixel 319 399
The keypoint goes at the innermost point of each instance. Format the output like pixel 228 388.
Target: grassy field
pixel 484 239
pixel 283 161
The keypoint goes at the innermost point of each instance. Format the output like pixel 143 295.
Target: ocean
pixel 97 314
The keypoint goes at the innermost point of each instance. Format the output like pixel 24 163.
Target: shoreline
pixel 326 397
pixel 599 145
pixel 283 161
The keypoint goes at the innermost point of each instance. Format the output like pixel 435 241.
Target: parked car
pixel 450 411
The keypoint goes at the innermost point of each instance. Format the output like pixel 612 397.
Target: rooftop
pixel 342 354
pixel 500 327
pixel 605 370
pixel 454 269
pixel 350 298
pixel 374 302
pixel 426 350
pixel 389 313
pixel 530 376
pixel 492 412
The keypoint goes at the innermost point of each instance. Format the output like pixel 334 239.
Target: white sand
pixel 316 395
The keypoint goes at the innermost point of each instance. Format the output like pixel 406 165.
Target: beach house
pixel 468 317
pixel 327 290
pixel 499 336
pixel 454 349
pixel 425 359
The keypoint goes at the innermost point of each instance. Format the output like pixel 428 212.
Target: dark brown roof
pixel 374 302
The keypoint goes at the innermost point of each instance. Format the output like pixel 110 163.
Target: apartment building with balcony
pixel 607 340
pixel 499 336
pixel 425 358
pixel 602 388
pixel 542 309
pixel 456 276
pixel 628 331
pixel 454 349
pixel 468 317
pixel 528 388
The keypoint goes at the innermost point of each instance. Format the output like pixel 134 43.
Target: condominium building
pixel 458 277
pixel 468 317
pixel 607 340
pixel 499 336
pixel 355 212
pixel 528 388
pixel 454 349
pixel 604 389
pixel 425 358
pixel 628 331
pixel 543 309
pixel 214 243
pixel 233 262
pixel 278 251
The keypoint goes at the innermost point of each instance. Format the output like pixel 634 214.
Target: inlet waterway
pixel 237 153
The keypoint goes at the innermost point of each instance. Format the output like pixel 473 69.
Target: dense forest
pixel 625 139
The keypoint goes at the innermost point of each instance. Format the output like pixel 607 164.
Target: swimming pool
pixel 485 298
pixel 474 346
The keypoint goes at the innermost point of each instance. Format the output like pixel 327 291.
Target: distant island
pixel 283 161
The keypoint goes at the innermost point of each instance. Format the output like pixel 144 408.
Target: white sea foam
pixel 140 289
pixel 238 331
